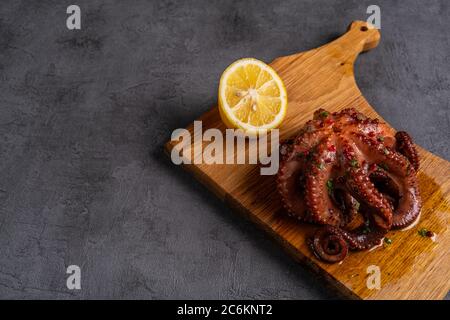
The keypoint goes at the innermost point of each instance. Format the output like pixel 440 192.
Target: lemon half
pixel 252 96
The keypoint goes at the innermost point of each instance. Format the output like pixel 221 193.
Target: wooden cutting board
pixel 412 267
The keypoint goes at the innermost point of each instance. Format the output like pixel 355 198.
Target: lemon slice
pixel 252 96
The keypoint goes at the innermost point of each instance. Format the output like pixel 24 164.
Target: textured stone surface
pixel 84 115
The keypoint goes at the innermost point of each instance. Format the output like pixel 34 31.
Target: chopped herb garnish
pixel 423 232
pixel 330 186
pixel 354 163
pixel 356 205
pixel 320 165
pixel 384 166
pixel 380 138
pixel 366 228
pixel 324 114
pixel 387 241
pixel 386 151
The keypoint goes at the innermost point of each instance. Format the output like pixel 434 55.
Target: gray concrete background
pixel 84 115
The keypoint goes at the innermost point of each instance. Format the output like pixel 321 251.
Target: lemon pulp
pixel 252 96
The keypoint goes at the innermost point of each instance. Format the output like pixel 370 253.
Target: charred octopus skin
pixel 352 175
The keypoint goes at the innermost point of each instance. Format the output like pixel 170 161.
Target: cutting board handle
pixel 366 33
pixel 361 36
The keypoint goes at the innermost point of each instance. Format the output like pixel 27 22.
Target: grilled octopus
pixel 353 176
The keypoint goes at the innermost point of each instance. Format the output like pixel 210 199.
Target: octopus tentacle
pixel 291 171
pixel 364 191
pixel 361 188
pixel 320 206
pixel 331 243
pixel 384 183
pixel 380 154
pixel 406 147
pixel 364 238
pixel 328 245
pixel 351 208
pixel 286 148
pixel 386 186
pixel 348 205
pixel 408 209
pixel 403 174
pixel 354 176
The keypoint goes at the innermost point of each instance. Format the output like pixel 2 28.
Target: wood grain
pixel 412 267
